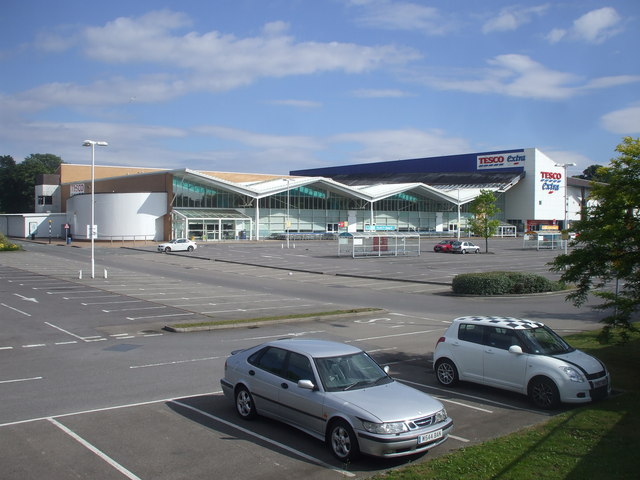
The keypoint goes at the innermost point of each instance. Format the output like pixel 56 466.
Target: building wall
pixel 139 215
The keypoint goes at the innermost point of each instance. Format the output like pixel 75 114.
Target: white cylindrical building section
pixel 139 215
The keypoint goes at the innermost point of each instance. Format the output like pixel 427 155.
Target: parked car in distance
pixel 443 246
pixel 465 247
pixel 521 356
pixel 338 394
pixel 178 245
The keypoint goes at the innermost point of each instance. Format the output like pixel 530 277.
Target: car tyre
pixel 446 373
pixel 167 249
pixel 544 394
pixel 244 404
pixel 190 248
pixel 342 441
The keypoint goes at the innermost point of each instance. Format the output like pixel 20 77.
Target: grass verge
pixel 269 319
pixel 598 440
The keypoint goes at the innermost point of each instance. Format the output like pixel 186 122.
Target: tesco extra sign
pixel 550 181
pixel 500 160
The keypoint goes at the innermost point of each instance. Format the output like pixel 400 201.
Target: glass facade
pixel 304 209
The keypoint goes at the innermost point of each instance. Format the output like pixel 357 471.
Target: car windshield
pixel 350 372
pixel 544 341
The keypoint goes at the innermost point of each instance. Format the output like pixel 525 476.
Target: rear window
pixel 470 332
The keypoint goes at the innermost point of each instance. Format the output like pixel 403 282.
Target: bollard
pixel 80 276
pixel 105 273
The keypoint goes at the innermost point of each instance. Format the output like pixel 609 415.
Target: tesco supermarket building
pixel 426 195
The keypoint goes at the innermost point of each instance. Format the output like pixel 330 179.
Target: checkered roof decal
pixel 505 322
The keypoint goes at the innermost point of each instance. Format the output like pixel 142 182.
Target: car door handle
pixel 284 385
pixel 252 372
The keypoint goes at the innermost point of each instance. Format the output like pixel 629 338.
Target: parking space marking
pixel 280 307
pixel 15 309
pixel 267 440
pixel 99 453
pixel 390 336
pixel 477 398
pixel 136 309
pixel 176 362
pixel 21 380
pixel 161 316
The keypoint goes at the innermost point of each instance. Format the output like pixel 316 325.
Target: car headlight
pixel 441 416
pixel 573 374
pixel 385 428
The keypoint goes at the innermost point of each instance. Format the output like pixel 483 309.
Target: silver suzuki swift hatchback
pixel 521 356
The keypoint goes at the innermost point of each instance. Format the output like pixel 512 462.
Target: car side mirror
pixel 517 349
pixel 306 384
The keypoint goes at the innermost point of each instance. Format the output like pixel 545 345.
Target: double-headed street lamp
pixel 566 190
pixel 92 144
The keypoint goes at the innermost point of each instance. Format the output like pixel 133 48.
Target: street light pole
pixel 566 199
pixel 288 217
pixel 92 144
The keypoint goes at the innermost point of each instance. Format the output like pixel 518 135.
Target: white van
pixel 521 356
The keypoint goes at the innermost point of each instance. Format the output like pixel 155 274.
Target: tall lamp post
pixel 566 198
pixel 92 144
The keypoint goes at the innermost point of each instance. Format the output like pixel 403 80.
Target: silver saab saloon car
pixel 521 356
pixel 336 393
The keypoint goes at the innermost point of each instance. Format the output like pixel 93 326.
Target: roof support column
pixel 372 218
pixel 257 219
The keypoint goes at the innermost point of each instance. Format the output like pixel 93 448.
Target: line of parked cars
pixel 456 246
pixel 338 394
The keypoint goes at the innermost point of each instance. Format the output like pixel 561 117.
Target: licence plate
pixel 429 437
pixel 600 383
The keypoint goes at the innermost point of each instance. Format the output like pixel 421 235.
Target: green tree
pixel 483 223
pixel 607 251
pixel 17 181
pixel 7 182
pixel 596 173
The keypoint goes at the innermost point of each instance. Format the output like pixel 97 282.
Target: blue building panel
pixel 465 163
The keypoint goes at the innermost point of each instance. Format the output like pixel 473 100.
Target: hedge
pixel 503 283
pixel 6 246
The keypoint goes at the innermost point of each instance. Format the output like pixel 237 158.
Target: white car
pixel 521 356
pixel 465 247
pixel 178 245
pixel 336 393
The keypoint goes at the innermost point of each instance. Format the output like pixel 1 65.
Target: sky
pixel 270 86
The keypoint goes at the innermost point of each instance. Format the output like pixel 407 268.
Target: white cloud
pixel 260 140
pixel 566 156
pixel 381 93
pixel 516 75
pixel 385 145
pixel 296 103
pixel 623 122
pixel 511 18
pixel 392 15
pixel 593 27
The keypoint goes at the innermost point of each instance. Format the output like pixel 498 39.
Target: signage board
pixel 500 160
pixel 76 189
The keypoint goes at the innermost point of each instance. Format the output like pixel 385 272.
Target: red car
pixel 444 246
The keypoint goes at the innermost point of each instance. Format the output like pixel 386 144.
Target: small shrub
pixel 6 246
pixel 503 283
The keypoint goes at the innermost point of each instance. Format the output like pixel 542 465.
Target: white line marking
pixel 20 380
pixel 106 409
pixel 64 331
pixel 66 343
pixel 176 362
pixel 268 440
pixel 391 336
pixel 34 345
pixel 15 309
pixel 160 316
pixel 135 309
pixel 99 453
pixel 6 348
pixel 460 439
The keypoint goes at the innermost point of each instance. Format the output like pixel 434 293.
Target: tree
pixel 484 210
pixel 7 182
pixel 596 173
pixel 607 251
pixel 17 181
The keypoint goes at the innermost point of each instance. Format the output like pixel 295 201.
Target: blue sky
pixel 270 86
